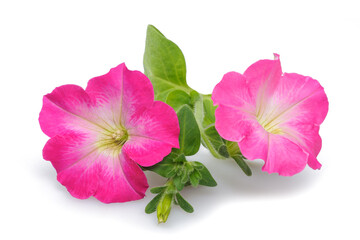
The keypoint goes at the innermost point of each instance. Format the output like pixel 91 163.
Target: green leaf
pixel 177 98
pixel 194 179
pixel 189 138
pixel 179 159
pixel 206 178
pixel 209 111
pixel 210 138
pixel 165 168
pixel 178 184
pixel 152 205
pixel 215 143
pixel 242 164
pixel 184 204
pixel 156 190
pixel 235 153
pixel 164 64
pixel 184 177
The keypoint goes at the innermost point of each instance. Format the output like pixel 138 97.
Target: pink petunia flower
pixel 101 134
pixel 273 116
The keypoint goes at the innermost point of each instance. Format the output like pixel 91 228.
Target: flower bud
pixel 164 207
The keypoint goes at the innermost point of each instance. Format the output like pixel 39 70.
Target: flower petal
pixel 304 106
pixel 233 124
pixel 263 77
pixel 280 154
pixel 233 90
pixel 152 134
pixel 255 144
pixel 86 172
pixel 120 179
pixel 122 92
pixel 74 158
pixel 284 157
pixel 67 108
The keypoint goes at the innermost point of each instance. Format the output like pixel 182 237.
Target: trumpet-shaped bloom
pixel 273 116
pixel 101 134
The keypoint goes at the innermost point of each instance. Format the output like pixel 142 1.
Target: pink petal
pixel 263 77
pixel 280 154
pixel 284 157
pixel 67 108
pixel 86 172
pixel 121 92
pixel 233 90
pixel 120 179
pixel 255 144
pixel 73 156
pixel 304 106
pixel 152 134
pixel 233 124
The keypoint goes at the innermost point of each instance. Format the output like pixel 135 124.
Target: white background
pixel 45 44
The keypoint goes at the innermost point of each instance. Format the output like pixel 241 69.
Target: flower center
pixel 120 136
pixel 270 122
pixel 113 140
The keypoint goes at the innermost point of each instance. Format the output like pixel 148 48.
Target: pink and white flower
pixel 273 116
pixel 101 134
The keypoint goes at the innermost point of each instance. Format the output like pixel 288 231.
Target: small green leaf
pixel 184 204
pixel 194 179
pixel 197 165
pixel 242 164
pixel 179 158
pixel 177 182
pixel 185 177
pixel 209 111
pixel 189 138
pixel 156 190
pixel 197 173
pixel 177 98
pixel 206 178
pixel 215 143
pixel 165 168
pixel 210 138
pixel 152 205
pixel 235 153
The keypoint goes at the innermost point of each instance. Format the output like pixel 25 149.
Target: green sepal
pixel 165 167
pixel 195 177
pixel 215 142
pixel 184 204
pixel 152 205
pixel 209 111
pixel 242 164
pixel 156 190
pixel 235 154
pixel 178 184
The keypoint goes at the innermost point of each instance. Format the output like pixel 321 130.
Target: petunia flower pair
pixel 100 135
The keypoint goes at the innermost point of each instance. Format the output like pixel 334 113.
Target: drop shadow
pixel 233 185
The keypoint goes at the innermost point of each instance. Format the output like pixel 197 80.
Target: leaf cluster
pixel 164 65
